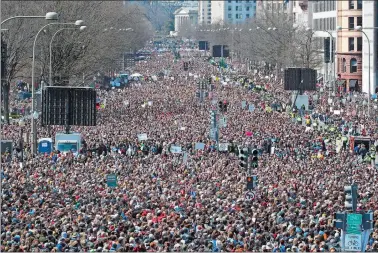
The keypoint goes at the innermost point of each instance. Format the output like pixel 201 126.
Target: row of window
pixel 351 44
pixel 247 1
pixel 325 24
pixel 238 8
pixel 325 5
pixel 352 4
pixel 275 6
pixel 353 66
pixel 239 16
pixel 352 24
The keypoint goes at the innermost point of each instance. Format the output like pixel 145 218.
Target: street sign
pixel 354 222
pixel 250 195
pixel 353 242
pixel 111 180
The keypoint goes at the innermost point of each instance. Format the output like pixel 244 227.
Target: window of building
pixel 351 4
pixel 359 44
pixel 359 21
pixel 359 4
pixel 351 23
pixel 353 65
pixel 351 44
pixel 247 8
pixel 229 16
pixel 240 8
pixel 237 1
pixel 237 8
pixel 229 8
pixel 237 16
pixel 294 17
pixel 229 1
pixel 344 66
pixel 247 16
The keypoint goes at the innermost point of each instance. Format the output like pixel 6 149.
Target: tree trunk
pixel 6 102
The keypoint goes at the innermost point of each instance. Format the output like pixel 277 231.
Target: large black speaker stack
pixel 300 79
pixel 217 51
pixel 203 45
pixel 67 106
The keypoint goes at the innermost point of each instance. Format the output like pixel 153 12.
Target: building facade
pixel 273 6
pixel 301 13
pixel 323 21
pixel 232 11
pixel 349 44
pixel 370 20
pixel 185 17
pixel 204 12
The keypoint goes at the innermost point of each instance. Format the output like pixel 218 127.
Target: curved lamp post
pixel 48 16
pixel 81 28
pixel 33 126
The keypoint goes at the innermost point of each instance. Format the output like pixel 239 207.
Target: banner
pixel 223 146
pixel 142 137
pixel 176 149
pixel 199 146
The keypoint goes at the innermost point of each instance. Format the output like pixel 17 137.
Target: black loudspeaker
pixel 203 45
pixel 69 106
pixel 308 77
pixel 300 79
pixel 217 51
pixel 292 78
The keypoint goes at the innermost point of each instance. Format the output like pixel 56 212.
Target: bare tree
pixel 74 53
pixel 271 39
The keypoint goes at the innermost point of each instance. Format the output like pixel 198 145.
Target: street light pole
pixel 359 28
pixel 33 123
pixel 48 16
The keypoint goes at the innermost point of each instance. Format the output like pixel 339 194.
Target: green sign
pixel 354 222
pixel 111 180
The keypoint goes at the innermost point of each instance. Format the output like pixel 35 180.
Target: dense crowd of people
pixel 193 200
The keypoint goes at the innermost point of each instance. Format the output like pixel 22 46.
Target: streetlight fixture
pixel 360 29
pixel 48 16
pixel 33 125
pixel 81 28
pixel 330 54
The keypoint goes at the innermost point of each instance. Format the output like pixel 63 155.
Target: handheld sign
pixel 111 180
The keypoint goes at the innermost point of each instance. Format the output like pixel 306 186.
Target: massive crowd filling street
pixel 167 202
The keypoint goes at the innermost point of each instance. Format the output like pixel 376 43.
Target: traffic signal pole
pixel 356 225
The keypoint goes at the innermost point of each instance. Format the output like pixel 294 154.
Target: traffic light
pixel 213 118
pixel 243 156
pixel 351 197
pixel 249 183
pixel 220 106
pixel 225 104
pixel 340 220
pixel 252 182
pixel 329 56
pixel 255 159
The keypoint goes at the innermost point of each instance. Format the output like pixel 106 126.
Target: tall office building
pixel 226 12
pixel 204 12
pixel 323 22
pixel 232 12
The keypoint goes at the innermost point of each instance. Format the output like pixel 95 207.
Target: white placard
pixel 223 146
pixel 337 112
pixel 353 242
pixel 142 137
